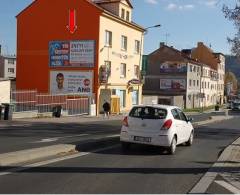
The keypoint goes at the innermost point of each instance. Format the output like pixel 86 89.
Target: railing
pixel 32 101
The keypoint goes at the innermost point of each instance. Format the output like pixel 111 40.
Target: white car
pixel 159 125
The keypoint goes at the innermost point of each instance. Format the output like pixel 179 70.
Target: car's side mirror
pixel 189 119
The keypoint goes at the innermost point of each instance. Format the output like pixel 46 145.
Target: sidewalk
pixel 224 175
pixel 73 119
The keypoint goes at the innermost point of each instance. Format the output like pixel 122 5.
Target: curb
pixel 212 120
pixel 218 167
pixel 33 154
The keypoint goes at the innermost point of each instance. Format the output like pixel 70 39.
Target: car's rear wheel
pixel 172 148
pixel 125 146
pixel 190 140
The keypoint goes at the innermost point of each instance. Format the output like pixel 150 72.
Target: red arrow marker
pixel 72 27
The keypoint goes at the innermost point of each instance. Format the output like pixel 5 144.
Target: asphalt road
pixel 142 170
pixel 20 135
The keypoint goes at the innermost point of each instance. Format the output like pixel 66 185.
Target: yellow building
pixel 120 49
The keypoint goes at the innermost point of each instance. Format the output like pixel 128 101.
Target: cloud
pixel 173 7
pixel 209 3
pixel 154 2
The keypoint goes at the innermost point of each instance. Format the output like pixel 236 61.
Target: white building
pixel 7 66
pixel 121 45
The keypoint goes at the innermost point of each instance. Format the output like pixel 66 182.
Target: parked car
pixel 229 105
pixel 236 106
pixel 159 125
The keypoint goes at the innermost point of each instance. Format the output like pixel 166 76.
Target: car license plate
pixel 142 139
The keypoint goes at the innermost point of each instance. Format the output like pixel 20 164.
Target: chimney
pixel 162 44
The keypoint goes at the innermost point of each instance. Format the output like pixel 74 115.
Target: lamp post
pixel 144 33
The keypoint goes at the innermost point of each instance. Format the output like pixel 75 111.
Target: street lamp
pixel 155 26
pixel 144 33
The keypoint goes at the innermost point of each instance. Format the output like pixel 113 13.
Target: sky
pixel 183 23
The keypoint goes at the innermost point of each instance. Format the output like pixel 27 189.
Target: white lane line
pixel 38 164
pixel 202 186
pixel 54 139
pixel 228 186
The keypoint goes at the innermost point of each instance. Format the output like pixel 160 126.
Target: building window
pixel 205 85
pixel 124 43
pixel 123 70
pixel 194 83
pixel 194 68
pixel 11 70
pixel 108 67
pixel 11 61
pixel 108 38
pixel 198 69
pixel 123 14
pixel 208 85
pixel 197 82
pixel 137 46
pixel 135 97
pixel 202 85
pixel 190 68
pixel 136 71
pixel 190 82
pixel 127 15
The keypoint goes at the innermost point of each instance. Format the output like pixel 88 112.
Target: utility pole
pixel 167 35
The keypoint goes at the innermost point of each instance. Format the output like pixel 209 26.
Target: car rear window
pixel 148 113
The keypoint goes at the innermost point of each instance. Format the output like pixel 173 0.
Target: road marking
pixel 228 186
pixel 54 139
pixel 38 164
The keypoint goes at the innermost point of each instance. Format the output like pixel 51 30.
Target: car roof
pixel 167 107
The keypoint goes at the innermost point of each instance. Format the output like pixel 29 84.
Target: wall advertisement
pixel 173 84
pixel 168 67
pixel 62 82
pixel 72 54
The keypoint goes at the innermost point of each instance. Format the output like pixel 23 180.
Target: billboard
pixel 62 82
pixel 168 67
pixel 173 84
pixel 72 54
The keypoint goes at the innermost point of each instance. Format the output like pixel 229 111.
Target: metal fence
pixel 29 101
pixel 24 100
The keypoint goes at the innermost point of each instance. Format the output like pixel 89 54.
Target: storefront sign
pixel 72 53
pixel 173 84
pixel 71 82
pixel 122 56
pixel 134 81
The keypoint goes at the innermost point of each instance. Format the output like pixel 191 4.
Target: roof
pixel 182 54
pixel 113 1
pixel 98 7
pixel 8 56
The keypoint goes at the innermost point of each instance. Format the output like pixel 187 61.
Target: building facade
pixel 91 48
pixel 172 78
pixel 215 72
pixel 177 78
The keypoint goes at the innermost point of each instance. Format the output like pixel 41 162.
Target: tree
pixel 233 14
pixel 231 78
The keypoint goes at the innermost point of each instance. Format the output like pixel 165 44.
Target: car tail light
pixel 167 125
pixel 125 121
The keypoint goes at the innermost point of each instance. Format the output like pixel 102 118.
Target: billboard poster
pixel 72 53
pixel 173 84
pixel 62 82
pixel 59 53
pixel 173 68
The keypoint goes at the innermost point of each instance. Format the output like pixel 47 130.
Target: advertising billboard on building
pixel 169 67
pixel 72 54
pixel 173 84
pixel 62 82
